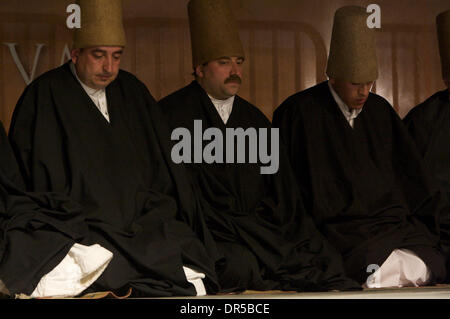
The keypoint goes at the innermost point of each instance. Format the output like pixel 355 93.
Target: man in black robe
pixel 429 125
pixel 360 173
pixel 37 229
pixel 90 131
pixel 257 220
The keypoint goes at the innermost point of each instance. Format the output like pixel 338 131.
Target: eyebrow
pixel 98 51
pixel 229 58
pixel 103 51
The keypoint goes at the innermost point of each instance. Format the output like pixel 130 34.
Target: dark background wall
pixel 286 43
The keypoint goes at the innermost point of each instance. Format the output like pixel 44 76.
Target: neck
pixel 74 71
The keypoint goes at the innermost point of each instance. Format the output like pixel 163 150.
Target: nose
pixel 364 89
pixel 108 64
pixel 234 68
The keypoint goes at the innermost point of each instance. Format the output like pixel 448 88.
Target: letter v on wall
pixel 27 77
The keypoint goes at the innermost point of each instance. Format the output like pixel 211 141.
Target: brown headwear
pixel 214 31
pixel 101 24
pixel 352 55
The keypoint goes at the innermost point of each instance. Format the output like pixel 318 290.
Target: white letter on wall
pixel 65 55
pixel 26 77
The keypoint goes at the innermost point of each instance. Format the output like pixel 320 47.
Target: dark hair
pixel 194 73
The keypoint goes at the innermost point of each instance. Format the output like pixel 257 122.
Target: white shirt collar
pixel 350 114
pixel 97 96
pixel 223 107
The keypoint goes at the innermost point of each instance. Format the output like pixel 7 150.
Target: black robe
pixel 429 125
pixel 36 230
pixel 119 173
pixel 257 221
pixel 366 186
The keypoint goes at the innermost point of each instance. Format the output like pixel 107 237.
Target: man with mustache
pixel 429 125
pixel 257 221
pixel 363 179
pixel 91 132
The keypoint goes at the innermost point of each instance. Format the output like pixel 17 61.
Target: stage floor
pixel 432 292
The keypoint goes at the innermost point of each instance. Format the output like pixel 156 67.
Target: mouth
pixel 361 101
pixel 104 77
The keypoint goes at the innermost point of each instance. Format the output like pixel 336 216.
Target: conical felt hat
pixel 352 55
pixel 214 31
pixel 101 24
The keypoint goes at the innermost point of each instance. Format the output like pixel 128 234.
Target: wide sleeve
pixel 419 129
pixel 8 164
pixel 21 131
pixel 38 139
pixel 289 120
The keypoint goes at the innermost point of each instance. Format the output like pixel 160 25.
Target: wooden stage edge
pixel 427 292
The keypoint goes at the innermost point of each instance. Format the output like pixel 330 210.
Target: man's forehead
pixel 346 82
pixel 230 58
pixel 105 49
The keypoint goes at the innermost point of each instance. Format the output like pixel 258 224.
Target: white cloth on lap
pixel 81 267
pixel 403 268
pixel 195 278
pixel 77 271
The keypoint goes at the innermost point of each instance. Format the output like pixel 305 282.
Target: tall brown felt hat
pixel 214 31
pixel 101 24
pixel 352 55
pixel 443 30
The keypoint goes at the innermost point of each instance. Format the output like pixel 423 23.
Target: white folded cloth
pixel 77 271
pixel 195 278
pixel 81 267
pixel 403 268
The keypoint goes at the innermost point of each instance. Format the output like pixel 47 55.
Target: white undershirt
pixel 223 107
pixel 97 96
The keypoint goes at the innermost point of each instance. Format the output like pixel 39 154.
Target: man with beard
pixel 257 220
pixel 90 131
pixel 362 177
pixel 429 125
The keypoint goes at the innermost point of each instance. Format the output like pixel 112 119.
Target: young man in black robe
pixel 257 220
pixel 362 177
pixel 91 132
pixel 429 125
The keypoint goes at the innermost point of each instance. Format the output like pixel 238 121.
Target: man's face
pixel 97 67
pixel 353 94
pixel 221 78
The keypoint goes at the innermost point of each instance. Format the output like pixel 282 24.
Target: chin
pixel 102 85
pixel 232 92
